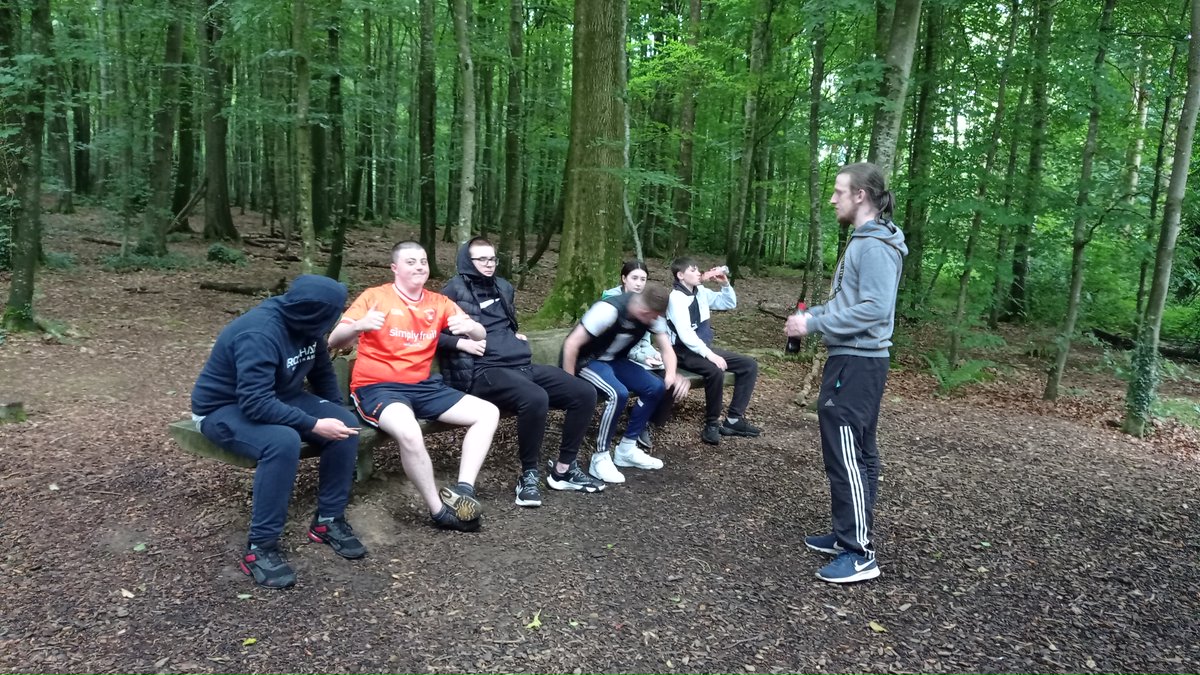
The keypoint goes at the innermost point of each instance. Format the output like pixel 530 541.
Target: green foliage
pixel 134 262
pixel 59 261
pixel 223 255
pixel 1186 411
pixel 950 377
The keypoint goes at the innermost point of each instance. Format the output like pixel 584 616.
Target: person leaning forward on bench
pixel 397 327
pixel 249 399
pixel 500 369
pixel 598 351
pixel 688 319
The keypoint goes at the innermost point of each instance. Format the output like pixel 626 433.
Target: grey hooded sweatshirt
pixel 860 314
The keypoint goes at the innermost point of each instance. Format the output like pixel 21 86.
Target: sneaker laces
pixel 272 557
pixel 529 479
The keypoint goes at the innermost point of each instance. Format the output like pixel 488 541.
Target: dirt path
pixel 1013 536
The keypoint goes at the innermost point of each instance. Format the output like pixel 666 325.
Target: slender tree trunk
pixel 426 132
pixel 466 195
pixel 513 123
pixel 589 252
pixel 1141 393
pixel 1017 305
pixel 80 84
pixel 687 127
pixel 1156 186
pixel 158 214
pixel 958 327
pixel 916 210
pixel 304 169
pixel 1082 232
pixel 358 205
pixel 185 173
pixel 337 145
pixel 218 221
pixel 762 197
pixel 60 141
pixel 737 211
pixel 18 313
pixel 906 22
pixel 454 175
pixel 814 263
pixel 12 154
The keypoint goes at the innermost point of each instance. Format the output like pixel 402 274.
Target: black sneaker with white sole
pixel 528 493
pixel 644 440
pixel 740 428
pixel 573 478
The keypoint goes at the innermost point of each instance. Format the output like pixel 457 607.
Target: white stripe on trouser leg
pixel 609 417
pixel 857 496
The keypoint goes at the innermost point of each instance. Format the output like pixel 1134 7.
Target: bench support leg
pixel 364 465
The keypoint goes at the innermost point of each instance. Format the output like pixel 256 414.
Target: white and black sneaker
pixel 573 478
pixel 527 489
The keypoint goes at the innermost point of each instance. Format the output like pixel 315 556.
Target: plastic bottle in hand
pixel 795 343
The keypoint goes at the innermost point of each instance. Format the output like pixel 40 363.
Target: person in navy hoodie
pixel 250 400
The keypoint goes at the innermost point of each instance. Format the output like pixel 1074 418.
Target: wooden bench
pixel 545 345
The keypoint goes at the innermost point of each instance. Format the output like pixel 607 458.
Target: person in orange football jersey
pixel 397 326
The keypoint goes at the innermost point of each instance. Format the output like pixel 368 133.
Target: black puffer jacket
pixel 470 289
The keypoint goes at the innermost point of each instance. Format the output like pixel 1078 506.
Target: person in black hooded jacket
pixel 500 369
pixel 250 400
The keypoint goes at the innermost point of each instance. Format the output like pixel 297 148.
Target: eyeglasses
pixel 486 261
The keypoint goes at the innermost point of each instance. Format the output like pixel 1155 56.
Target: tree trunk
pixel 589 252
pixel 337 146
pixel 958 327
pixel 1082 232
pixel 80 84
pixel 454 175
pixel 185 173
pixel 158 216
pixel 12 154
pixel 304 169
pixel 27 230
pixel 906 22
pixel 737 210
pixel 687 127
pixel 486 167
pixel 60 142
pixel 365 88
pixel 426 133
pixel 1156 185
pixel 814 263
pixel 466 195
pixel 218 221
pixel 513 123
pixel 1143 385
pixel 762 198
pixel 1017 305
pixel 916 209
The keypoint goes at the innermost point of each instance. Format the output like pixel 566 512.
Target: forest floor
pixel 1013 534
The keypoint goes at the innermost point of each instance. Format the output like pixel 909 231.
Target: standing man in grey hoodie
pixel 856 325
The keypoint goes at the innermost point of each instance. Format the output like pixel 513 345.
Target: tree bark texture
pixel 513 124
pixel 158 216
pixel 1140 395
pixel 906 23
pixel 218 221
pixel 466 194
pixel 589 252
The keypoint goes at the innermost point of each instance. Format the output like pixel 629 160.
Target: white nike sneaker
pixel 602 468
pixel 629 454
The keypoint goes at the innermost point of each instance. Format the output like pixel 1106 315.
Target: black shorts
pixel 428 399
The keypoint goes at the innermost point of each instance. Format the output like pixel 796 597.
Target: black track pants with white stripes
pixel 848 410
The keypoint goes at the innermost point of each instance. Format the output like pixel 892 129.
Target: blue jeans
pixel 614 380
pixel 277 449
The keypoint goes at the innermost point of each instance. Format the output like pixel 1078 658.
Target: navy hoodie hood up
pixel 261 359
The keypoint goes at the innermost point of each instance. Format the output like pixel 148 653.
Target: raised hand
pixel 372 321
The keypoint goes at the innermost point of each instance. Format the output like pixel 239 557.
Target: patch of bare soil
pixel 1014 535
